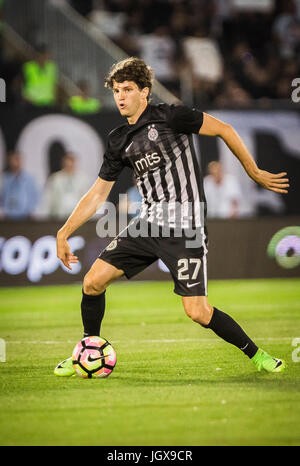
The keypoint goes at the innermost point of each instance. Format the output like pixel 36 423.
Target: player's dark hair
pixel 131 69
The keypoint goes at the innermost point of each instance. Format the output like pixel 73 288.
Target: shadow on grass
pixel 252 380
pixel 256 380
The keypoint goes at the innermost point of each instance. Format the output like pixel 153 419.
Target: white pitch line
pixel 184 340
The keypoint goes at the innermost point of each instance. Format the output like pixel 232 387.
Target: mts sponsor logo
pixel 150 160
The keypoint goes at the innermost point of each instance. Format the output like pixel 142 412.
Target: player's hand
pixel 64 252
pixel 274 182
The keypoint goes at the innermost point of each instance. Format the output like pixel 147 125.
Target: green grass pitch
pixel 175 383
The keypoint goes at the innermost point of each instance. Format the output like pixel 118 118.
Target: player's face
pixel 129 98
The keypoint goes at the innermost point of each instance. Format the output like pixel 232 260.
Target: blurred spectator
pixel 40 79
pixel 133 24
pixel 222 192
pixel 156 13
pixel 83 104
pixel 206 64
pixel 232 95
pixel 19 194
pixel 212 53
pixel 284 77
pixel 64 189
pixel 204 56
pixel 180 24
pixel 10 70
pixel 251 76
pixel 158 50
pixel 286 29
pixel 110 22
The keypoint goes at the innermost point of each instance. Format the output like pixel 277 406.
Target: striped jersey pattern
pixel 159 148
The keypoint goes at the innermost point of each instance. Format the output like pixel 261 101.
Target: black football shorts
pixel 186 264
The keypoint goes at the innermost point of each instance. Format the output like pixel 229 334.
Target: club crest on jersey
pixel 112 245
pixel 152 133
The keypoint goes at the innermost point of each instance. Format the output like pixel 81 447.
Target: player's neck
pixel 134 118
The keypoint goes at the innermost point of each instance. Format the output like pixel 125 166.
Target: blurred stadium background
pixel 238 60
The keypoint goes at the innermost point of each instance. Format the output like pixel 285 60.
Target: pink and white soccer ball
pixel 94 357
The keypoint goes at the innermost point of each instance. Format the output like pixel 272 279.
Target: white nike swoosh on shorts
pixel 189 285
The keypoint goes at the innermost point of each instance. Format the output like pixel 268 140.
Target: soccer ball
pixel 94 357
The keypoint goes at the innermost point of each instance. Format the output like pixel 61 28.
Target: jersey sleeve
pixel 183 119
pixel 112 165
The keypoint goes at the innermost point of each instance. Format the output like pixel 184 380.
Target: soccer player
pixel 156 142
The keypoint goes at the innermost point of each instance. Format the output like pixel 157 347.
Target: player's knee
pixel 92 286
pixel 200 314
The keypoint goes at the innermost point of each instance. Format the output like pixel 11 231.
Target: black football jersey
pixel 159 148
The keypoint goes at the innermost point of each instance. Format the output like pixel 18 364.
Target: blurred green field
pixel 175 382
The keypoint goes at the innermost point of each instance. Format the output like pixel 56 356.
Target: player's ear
pixel 145 92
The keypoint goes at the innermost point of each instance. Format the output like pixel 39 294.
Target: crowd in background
pixel 230 56
pixel 233 54
pixel 227 54
pixel 22 198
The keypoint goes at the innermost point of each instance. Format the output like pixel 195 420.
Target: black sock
pixel 92 312
pixel 229 330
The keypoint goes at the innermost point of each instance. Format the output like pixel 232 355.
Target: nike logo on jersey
pixel 127 148
pixel 189 285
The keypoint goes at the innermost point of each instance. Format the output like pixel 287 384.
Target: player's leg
pixel 95 282
pixel 188 269
pixel 125 255
pixel 201 311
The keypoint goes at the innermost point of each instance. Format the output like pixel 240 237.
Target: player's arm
pixel 213 127
pixel 85 209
